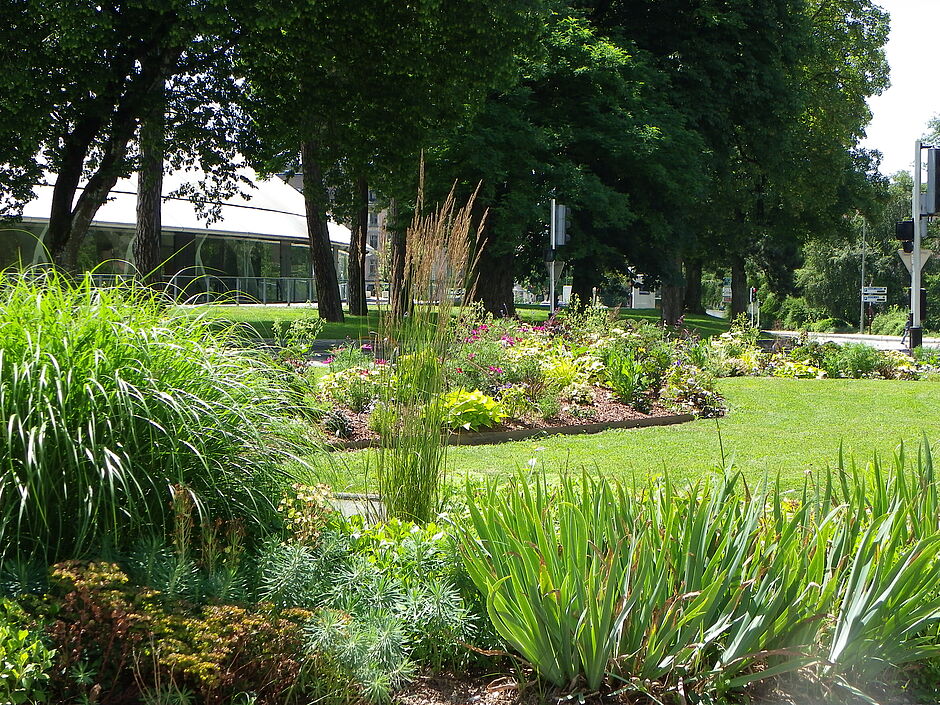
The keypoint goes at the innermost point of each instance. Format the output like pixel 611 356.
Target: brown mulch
pixel 505 690
pixel 605 409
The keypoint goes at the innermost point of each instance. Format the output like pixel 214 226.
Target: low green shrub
pixel 890 321
pixel 855 360
pixel 471 410
pixel 689 389
pixel 385 599
pixel 627 377
pixel 25 662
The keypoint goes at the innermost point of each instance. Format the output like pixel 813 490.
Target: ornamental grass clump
pixel 410 462
pixel 706 588
pixel 112 404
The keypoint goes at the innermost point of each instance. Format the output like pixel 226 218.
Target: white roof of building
pixel 273 210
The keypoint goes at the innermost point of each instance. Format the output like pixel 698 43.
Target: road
pixel 882 342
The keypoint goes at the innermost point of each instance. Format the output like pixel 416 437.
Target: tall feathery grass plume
pixel 438 266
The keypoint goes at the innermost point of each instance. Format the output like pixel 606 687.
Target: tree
pixel 372 90
pixel 586 125
pixel 88 74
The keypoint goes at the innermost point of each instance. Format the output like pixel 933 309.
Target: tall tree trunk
pixel 399 294
pixel 149 193
pixel 356 268
pixel 493 281
pixel 584 280
pixel 70 218
pixel 693 286
pixel 329 302
pixel 673 293
pixel 738 286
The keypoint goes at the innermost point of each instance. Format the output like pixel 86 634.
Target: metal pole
pixel 551 266
pixel 919 223
pixel 861 295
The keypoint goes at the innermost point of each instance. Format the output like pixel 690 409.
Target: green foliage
pixel 692 390
pixel 114 405
pixel 295 339
pixel 25 662
pixel 890 322
pixel 627 377
pixel 386 598
pixel 852 360
pixel 705 588
pixel 471 410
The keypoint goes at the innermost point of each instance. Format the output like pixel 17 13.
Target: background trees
pixel 725 140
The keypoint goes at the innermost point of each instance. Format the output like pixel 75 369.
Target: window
pixel 373 219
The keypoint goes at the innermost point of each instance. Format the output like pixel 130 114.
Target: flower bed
pixel 578 368
pixel 736 353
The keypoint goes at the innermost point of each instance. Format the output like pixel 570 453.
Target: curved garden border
pixel 492 437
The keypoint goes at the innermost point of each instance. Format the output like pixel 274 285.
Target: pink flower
pixel 458 370
pixel 329 360
pixel 495 370
pixel 470 356
pixel 367 346
pixel 380 362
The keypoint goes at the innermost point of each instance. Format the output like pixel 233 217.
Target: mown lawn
pixel 774 426
pixel 261 319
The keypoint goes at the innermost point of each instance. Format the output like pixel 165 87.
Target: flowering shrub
pixel 783 366
pixel 357 388
pixel 306 511
pixel 691 390
pixel 111 637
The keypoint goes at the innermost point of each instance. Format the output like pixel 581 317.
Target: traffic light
pixel 562 224
pixel 931 205
pixel 904 231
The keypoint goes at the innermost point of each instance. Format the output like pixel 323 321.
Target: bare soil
pixel 605 409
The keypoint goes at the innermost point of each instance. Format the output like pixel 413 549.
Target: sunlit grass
pixel 784 426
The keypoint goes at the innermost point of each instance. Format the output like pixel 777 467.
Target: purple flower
pixel 367 346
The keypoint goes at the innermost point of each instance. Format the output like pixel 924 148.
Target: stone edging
pixel 492 437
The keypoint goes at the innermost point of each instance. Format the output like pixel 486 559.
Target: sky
pixel 900 114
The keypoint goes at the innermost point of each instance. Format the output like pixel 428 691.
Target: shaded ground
pixel 505 690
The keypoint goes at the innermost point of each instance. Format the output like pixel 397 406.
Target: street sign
pixel 907 256
pixel 874 290
pixel 726 294
pixel 874 298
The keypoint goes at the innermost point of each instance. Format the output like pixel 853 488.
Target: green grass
pixel 262 318
pixel 784 426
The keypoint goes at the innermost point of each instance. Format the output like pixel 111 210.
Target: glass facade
pixel 195 264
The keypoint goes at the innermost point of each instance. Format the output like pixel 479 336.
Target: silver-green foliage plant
pixel 707 588
pixel 384 601
pixel 111 404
